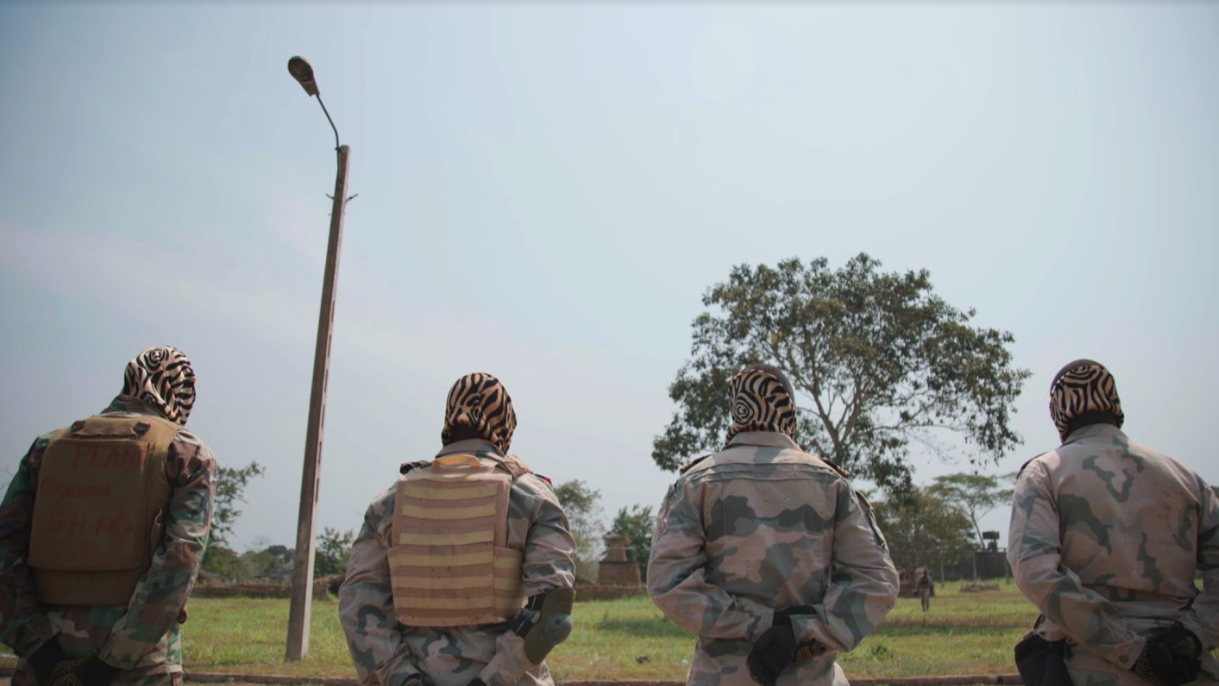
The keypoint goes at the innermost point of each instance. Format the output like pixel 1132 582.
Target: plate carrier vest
pixel 449 561
pixel 99 509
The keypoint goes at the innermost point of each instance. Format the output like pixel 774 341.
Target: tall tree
pixel 975 494
pixel 636 524
pixel 230 487
pixel 582 504
pixel 879 359
pixel 333 552
pixel 923 529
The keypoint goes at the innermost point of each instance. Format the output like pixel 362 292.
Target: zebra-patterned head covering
pixel 762 399
pixel 162 377
pixel 1083 387
pixel 480 403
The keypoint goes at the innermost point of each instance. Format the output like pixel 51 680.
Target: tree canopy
pixel 974 494
pixel 879 359
pixel 582 504
pixel 922 528
pixel 230 486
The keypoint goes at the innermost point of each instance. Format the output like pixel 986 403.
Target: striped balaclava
pixel 480 403
pixel 762 399
pixel 162 377
pixel 1084 392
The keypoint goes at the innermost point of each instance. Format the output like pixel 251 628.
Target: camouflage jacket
pixel 1106 536
pixel 386 651
pixel 763 526
pixel 142 638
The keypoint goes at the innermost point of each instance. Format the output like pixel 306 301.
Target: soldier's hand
pixel 418 680
pixel 1170 658
pixel 774 651
pixel 83 671
pixel 46 659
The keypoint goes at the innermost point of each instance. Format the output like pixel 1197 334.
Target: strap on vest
pixel 513 465
pixel 80 429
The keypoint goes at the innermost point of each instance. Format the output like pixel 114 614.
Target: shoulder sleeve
pixel 550 549
pixel 24 625
pixel 1206 604
pixel 693 463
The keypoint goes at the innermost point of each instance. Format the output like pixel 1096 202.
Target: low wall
pixel 598 592
pixel 221 677
pixel 321 587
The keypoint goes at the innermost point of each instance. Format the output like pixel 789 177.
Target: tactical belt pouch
pixel 1041 662
pixel 450 562
pixel 99 509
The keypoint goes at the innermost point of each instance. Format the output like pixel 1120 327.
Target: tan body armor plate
pixel 99 509
pixel 450 562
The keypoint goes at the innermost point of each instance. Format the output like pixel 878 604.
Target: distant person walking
pixel 767 553
pixel 102 532
pixel 463 572
pixel 1106 538
pixel 924 587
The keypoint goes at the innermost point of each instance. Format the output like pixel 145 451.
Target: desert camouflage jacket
pixel 1106 537
pixel 142 638
pixel 387 652
pixel 763 526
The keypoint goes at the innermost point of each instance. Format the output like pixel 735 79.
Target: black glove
pixel 83 671
pixel 1170 658
pixel 45 659
pixel 774 651
pixel 477 682
pixel 417 680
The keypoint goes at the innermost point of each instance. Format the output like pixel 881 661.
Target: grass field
pixel 963 633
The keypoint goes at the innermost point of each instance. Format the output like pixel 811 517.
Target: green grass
pixel 963 633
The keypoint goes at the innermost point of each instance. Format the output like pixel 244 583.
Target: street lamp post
pixel 302 565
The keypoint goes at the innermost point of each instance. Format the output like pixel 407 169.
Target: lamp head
pixel 300 70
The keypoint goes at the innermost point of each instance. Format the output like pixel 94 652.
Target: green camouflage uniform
pixel 1106 536
pixel 763 526
pixel 142 638
pixel 387 652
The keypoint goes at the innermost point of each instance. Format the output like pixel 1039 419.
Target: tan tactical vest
pixel 450 562
pixel 100 508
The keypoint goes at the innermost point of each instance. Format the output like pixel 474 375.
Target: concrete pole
pixel 302 563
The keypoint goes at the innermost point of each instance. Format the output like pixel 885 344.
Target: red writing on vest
pixel 51 488
pixel 118 456
pixel 115 526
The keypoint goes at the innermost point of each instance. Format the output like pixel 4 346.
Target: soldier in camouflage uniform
pixel 766 553
pixel 1106 536
pixel 398 604
pixel 137 641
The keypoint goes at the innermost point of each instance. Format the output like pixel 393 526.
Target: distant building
pixel 619 568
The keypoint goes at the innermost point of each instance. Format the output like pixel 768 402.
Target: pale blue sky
pixel 546 190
